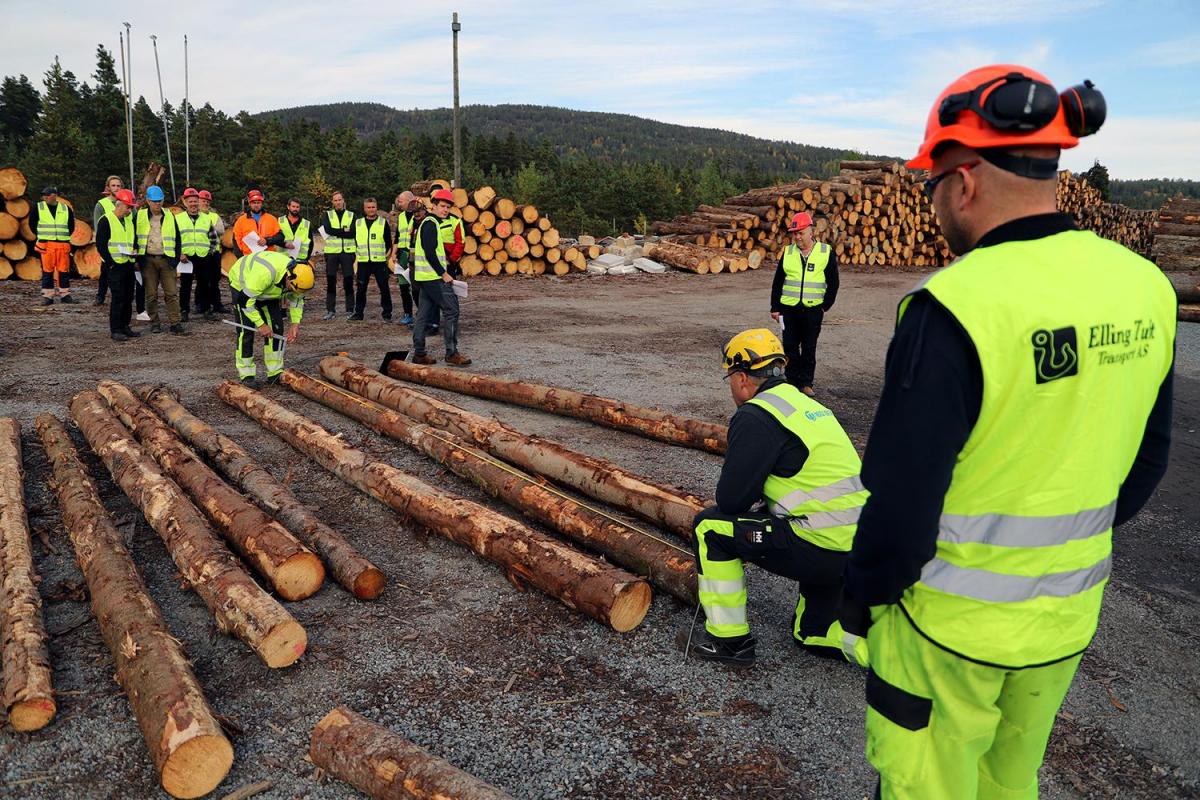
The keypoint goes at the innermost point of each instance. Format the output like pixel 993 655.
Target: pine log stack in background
pixel 1177 235
pixel 18 221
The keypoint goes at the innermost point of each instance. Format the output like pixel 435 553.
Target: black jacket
pixel 758 446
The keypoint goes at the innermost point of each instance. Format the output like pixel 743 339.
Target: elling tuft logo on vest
pixel 1055 354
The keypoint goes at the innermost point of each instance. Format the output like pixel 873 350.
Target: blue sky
pixel 843 73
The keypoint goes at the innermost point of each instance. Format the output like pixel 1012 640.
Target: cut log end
pixel 284 645
pixel 197 766
pixel 630 607
pixel 300 576
pixel 31 715
pixel 369 584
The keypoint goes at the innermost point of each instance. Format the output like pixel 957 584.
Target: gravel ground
pixel 512 686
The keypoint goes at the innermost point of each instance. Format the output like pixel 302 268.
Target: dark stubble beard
pixel 955 233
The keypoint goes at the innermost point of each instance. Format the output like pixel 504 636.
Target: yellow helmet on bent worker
pixel 300 276
pixel 752 350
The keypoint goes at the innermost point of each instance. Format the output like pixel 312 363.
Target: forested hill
pixel 619 138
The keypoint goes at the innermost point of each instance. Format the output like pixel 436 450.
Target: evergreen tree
pixel 1097 176
pixel 20 105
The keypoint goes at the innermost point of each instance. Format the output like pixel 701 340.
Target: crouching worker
pixel 261 283
pixel 788 500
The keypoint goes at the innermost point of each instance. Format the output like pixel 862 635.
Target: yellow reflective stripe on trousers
pixel 996 587
pixel 720 587
pixel 1005 530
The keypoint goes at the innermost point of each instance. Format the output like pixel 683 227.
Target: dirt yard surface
pixel 514 687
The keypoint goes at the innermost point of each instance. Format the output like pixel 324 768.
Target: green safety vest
pixel 107 204
pixel 335 245
pixel 1074 334
pixel 169 233
pixel 120 237
pixel 300 232
pixel 52 227
pixel 804 280
pixel 823 500
pixel 368 239
pixel 194 235
pixel 422 268
pixel 260 276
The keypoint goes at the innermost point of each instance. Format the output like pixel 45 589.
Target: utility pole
pixel 162 100
pixel 455 28
pixel 127 79
pixel 187 119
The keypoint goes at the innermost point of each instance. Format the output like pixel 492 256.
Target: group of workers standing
pixel 963 561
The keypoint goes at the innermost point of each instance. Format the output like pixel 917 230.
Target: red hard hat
pixel 444 194
pixel 125 196
pixel 205 194
pixel 190 192
pixel 800 221
pixel 968 128
pixel 254 194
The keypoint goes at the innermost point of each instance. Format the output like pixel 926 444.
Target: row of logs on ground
pixel 225 519
pixel 873 213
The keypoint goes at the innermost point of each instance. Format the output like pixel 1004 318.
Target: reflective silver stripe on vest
pixel 720 587
pixel 255 259
pixel 790 282
pixel 848 642
pixel 777 402
pixel 997 587
pixel 829 519
pixel 724 615
pixel 1003 530
pixel 832 491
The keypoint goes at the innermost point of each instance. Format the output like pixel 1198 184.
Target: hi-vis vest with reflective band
pixel 404 230
pixel 260 275
pixel 804 283
pixel 826 496
pixel 422 268
pixel 446 228
pixel 170 241
pixel 299 232
pixel 1075 335
pixel 52 227
pixel 107 204
pixel 334 244
pixel 368 239
pixel 194 237
pixel 120 237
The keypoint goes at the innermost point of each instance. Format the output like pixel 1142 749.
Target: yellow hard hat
pixel 301 276
pixel 752 349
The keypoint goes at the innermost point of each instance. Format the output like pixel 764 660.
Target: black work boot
pixel 251 383
pixel 737 651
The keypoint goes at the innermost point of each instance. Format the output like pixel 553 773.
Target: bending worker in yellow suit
pixel 788 451
pixel 260 283
pixel 1014 431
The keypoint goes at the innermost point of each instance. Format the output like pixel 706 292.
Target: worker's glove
pixel 855 617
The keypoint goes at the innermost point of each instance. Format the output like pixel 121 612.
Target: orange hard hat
pixel 190 192
pixel 125 196
pixel 1003 105
pixel 800 221
pixel 443 194
pixel 254 194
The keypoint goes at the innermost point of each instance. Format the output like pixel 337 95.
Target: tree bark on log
pixel 605 593
pixel 190 752
pixel 668 566
pixel 239 605
pixel 24 653
pixel 1189 313
pixel 354 572
pixel 595 477
pixel 293 569
pixel 386 766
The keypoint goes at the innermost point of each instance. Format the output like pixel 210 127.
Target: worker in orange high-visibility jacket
pixel 257 220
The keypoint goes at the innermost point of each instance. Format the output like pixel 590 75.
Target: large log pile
pixel 1177 234
pixel 18 223
pixel 873 213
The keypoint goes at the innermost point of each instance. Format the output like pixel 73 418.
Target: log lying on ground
pixel 387 766
pixel 595 477
pixel 189 750
pixel 293 569
pixel 603 592
pixel 1189 313
pixel 648 422
pixel 24 657
pixel 355 573
pixel 238 603
pixel 668 566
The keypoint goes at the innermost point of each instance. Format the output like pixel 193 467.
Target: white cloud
pixel 1181 52
pixel 1141 147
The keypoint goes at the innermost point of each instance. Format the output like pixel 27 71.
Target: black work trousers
pixel 801 327
pixel 120 307
pixel 336 263
pixel 102 284
pixel 379 271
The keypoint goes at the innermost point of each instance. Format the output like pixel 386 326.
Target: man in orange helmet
pixel 1014 431
pixel 805 286
pixel 257 220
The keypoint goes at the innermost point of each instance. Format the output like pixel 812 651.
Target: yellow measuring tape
pixel 476 453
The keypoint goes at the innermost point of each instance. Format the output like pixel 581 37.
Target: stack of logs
pixel 18 223
pixel 1177 235
pixel 873 213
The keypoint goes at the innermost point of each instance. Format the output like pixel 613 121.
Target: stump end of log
pixel 284 645
pixel 631 606
pixel 198 766
pixel 300 576
pixel 369 584
pixel 32 714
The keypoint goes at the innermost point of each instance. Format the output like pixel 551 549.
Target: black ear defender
pixel 1084 108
